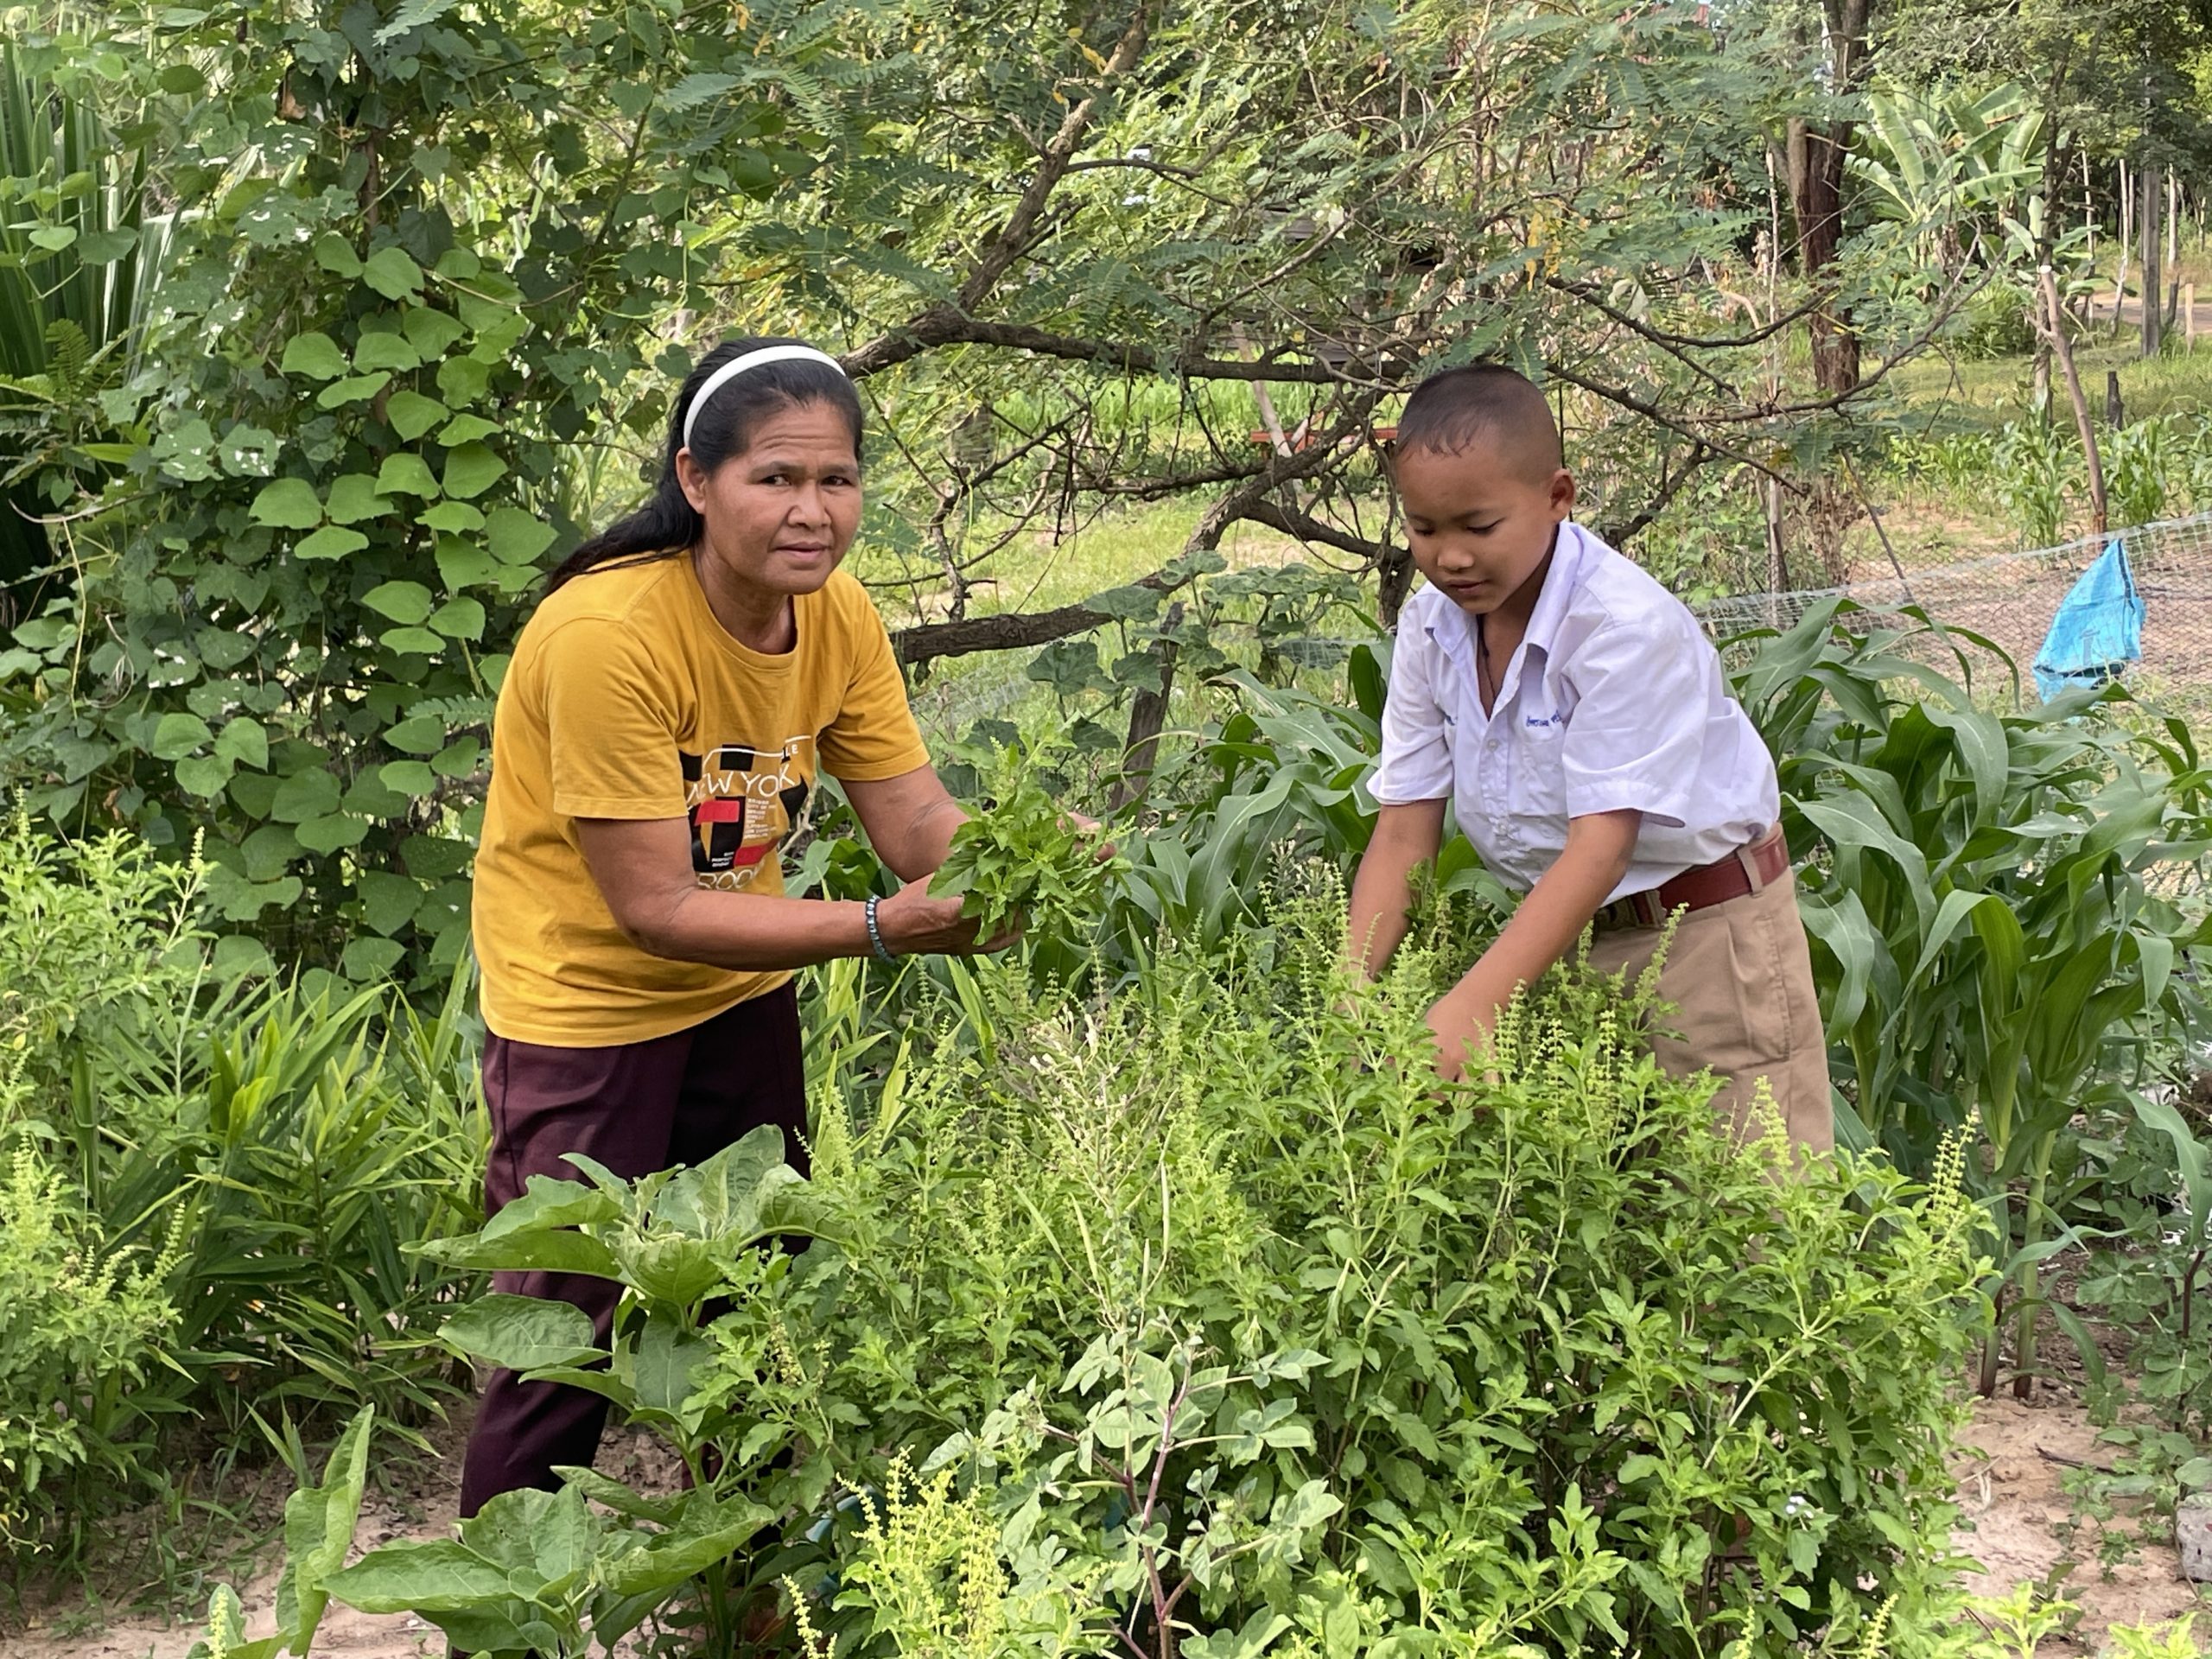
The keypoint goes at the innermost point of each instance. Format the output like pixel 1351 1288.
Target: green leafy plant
pixel 82 1326
pixel 2141 461
pixel 2034 471
pixel 257 1154
pixel 1019 860
pixel 543 1572
pixel 1189 1322
pixel 1988 932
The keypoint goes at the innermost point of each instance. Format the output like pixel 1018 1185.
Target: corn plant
pixel 2140 462
pixel 2035 479
pixel 1987 938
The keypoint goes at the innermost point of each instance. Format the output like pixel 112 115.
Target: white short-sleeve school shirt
pixel 1614 700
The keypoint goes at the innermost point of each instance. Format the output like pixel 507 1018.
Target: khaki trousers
pixel 1741 976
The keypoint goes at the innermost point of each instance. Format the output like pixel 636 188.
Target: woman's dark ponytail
pixel 666 524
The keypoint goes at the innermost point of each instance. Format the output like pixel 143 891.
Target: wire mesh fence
pixel 2009 600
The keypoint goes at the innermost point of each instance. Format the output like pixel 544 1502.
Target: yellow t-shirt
pixel 626 699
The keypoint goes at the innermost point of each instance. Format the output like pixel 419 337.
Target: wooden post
pixel 2189 315
pixel 2115 412
pixel 2054 320
pixel 2149 233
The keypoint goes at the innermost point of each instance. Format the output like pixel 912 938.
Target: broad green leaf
pixel 315 356
pixel 406 474
pixel 331 541
pixel 557 1252
pixel 432 333
pixel 332 832
pixel 287 504
pixel 472 469
pixel 417 735
pixel 466 428
pixel 179 735
pixel 412 641
pixel 516 537
pixel 385 351
pixel 204 775
pixel 521 1333
pixel 402 602
pixel 318 1524
pixel 419 1578
pixel 463 380
pixel 392 274
pixel 457 517
pixel 667 1367
pixel 335 255
pixel 676 1558
pixel 105 247
pixel 459 619
pixel 408 776
pixel 353 389
pixel 243 739
pixel 411 414
pixel 547 1204
pixel 367 959
pixel 304 795
pixel 457 760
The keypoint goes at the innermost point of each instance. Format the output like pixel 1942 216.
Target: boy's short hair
pixel 1452 410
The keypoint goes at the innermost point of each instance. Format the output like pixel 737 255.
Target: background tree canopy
pixel 329 326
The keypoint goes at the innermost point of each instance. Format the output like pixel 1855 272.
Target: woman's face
pixel 781 513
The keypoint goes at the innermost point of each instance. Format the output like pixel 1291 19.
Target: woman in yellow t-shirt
pixel 656 742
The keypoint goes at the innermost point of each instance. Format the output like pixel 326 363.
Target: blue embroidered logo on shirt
pixel 1554 719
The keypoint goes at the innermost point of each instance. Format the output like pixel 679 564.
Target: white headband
pixel 738 366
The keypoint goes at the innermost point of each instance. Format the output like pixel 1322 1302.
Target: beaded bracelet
pixel 876 933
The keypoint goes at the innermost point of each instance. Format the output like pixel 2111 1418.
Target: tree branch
pixel 1013 631
pixel 1618 535
pixel 1012 238
pixel 943 325
pixel 1305 527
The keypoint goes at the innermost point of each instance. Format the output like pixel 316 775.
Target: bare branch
pixel 941 324
pixel 1619 534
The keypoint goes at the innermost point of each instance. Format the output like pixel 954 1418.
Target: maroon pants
pixel 636 1108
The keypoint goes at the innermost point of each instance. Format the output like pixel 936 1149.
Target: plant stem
pixel 2030 1274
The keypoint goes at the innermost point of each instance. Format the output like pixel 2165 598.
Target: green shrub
pixel 1998 324
pixel 256 1157
pixel 81 1327
pixel 1199 1309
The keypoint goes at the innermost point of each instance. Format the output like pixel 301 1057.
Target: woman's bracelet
pixel 876 933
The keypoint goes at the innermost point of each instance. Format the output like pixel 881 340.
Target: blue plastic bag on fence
pixel 2098 630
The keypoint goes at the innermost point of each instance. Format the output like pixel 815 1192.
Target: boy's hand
pixel 1460 1022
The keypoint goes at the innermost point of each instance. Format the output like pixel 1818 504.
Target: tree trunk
pixel 1148 719
pixel 1394 581
pixel 2150 232
pixel 2126 227
pixel 1816 157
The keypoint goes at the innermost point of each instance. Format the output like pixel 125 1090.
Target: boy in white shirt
pixel 1574 714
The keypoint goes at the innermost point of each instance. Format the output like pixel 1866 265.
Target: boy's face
pixel 1479 525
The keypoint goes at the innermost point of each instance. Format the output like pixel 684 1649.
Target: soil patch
pixel 2019 1522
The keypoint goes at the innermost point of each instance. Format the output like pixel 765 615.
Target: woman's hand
pixel 912 922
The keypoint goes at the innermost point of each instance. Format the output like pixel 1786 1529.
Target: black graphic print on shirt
pixel 742 803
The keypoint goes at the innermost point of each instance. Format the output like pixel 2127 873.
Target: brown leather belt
pixel 1706 886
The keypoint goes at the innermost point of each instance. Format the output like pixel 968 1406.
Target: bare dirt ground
pixel 2017 1520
